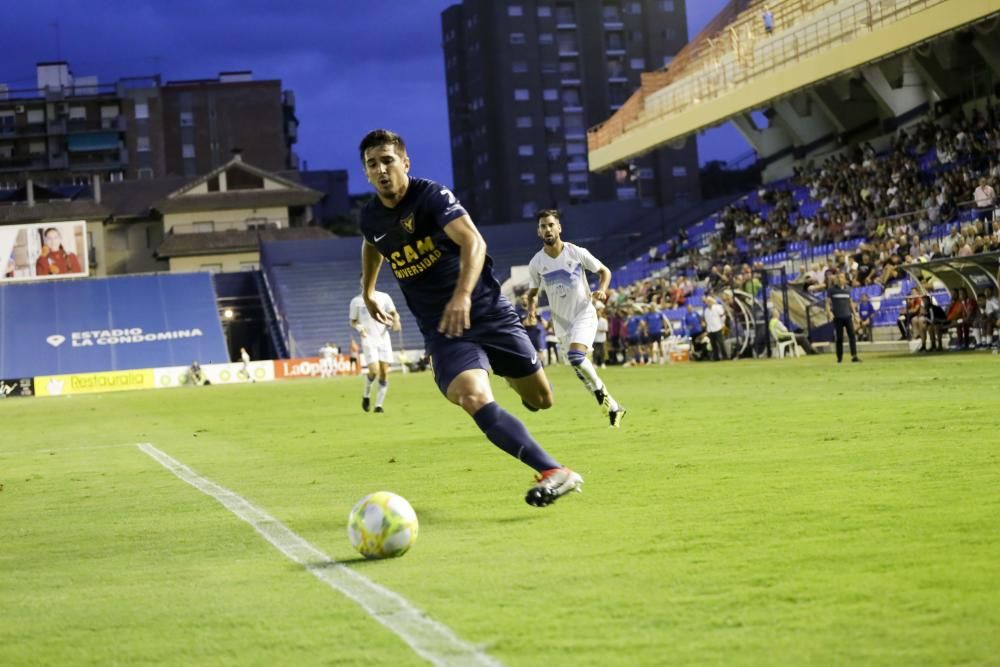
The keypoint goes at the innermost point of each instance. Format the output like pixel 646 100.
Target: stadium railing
pixel 740 57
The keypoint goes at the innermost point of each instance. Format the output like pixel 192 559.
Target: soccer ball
pixel 382 525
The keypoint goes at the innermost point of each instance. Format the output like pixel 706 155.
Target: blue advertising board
pixel 104 324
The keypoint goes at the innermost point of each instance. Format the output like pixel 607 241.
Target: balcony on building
pixel 96 150
pixel 22 163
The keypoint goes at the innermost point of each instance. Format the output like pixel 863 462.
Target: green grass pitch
pixel 785 512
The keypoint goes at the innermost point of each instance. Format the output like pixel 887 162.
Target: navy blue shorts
pixel 497 340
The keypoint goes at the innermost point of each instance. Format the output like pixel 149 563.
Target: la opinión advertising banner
pixel 307 367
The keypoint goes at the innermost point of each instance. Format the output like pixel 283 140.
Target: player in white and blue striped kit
pixel 560 269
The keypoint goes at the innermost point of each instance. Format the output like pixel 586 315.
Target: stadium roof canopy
pixel 828 69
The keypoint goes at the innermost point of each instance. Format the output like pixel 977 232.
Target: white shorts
pixel 375 350
pixel 582 330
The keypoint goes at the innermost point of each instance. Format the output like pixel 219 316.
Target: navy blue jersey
pixel 654 322
pixel 632 325
pixel 692 322
pixel 424 260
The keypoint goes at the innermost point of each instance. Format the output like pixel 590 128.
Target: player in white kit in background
pixel 559 269
pixel 376 346
pixel 327 354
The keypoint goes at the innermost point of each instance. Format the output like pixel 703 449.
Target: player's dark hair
pixel 546 212
pixel 380 137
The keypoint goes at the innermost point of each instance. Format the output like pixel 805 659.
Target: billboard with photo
pixel 44 251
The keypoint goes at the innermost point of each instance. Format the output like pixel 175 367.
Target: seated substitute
pixel 782 333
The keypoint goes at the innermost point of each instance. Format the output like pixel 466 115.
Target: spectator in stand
pixel 680 291
pixel 715 318
pixel 753 284
pixel 866 315
pixel 991 313
pixel 960 317
pixel 841 308
pixel 864 271
pixel 601 337
pixel 986 199
pixel 951 243
pixel 616 336
pixel 768 18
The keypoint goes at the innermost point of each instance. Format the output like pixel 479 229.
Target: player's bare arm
pixel 396 323
pixel 604 276
pixel 456 317
pixel 371 262
pixel 532 305
pixel 356 325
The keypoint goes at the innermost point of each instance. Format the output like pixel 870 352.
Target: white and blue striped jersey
pixel 564 279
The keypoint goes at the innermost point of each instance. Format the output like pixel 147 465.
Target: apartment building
pixel 67 128
pixel 527 78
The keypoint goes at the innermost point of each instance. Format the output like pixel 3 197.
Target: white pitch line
pixel 64 449
pixel 430 639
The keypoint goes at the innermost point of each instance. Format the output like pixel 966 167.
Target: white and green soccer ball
pixel 382 525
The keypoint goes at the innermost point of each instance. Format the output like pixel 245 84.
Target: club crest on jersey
pixel 408 224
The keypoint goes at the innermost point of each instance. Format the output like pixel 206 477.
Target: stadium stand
pixel 880 154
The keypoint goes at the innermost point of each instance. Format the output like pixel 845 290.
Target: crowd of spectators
pixel 931 174
pixel 892 205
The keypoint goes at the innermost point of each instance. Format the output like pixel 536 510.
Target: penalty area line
pixel 430 639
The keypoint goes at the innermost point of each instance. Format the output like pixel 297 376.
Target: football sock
pixel 369 381
pixel 588 375
pixel 584 370
pixel 383 387
pixel 506 432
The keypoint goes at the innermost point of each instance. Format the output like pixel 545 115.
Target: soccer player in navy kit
pixel 439 259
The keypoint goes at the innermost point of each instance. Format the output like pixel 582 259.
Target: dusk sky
pixel 353 65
